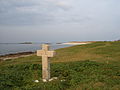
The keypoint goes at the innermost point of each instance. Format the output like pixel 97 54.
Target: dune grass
pixel 93 66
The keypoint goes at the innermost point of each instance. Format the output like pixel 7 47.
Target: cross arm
pixel 39 52
pixel 51 53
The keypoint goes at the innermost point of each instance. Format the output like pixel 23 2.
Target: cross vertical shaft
pixel 45 68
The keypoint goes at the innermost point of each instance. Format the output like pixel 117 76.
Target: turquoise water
pixel 14 48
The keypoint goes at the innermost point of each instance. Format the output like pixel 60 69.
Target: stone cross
pixel 46 54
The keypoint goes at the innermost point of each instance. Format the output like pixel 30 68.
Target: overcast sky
pixel 59 20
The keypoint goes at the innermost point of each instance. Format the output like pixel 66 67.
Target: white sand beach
pixel 77 43
pixel 74 43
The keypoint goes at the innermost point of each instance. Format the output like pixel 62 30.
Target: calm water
pixel 14 48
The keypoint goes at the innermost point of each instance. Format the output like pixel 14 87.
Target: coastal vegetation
pixel 94 66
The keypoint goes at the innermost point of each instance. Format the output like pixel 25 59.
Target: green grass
pixel 93 66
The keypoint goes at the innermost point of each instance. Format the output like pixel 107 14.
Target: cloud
pixel 24 9
pixel 63 5
pixel 83 19
pixel 14 12
pixel 21 12
pixel 39 12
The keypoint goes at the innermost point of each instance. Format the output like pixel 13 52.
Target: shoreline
pixel 16 55
pixel 29 53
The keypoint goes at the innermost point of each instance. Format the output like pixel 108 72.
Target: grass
pixel 93 66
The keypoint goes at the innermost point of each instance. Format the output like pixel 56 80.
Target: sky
pixel 59 20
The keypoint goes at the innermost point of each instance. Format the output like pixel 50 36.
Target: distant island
pixel 26 43
pixel 58 43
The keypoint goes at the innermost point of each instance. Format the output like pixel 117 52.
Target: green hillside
pixel 93 66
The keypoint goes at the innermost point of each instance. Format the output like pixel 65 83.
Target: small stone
pixel 54 78
pixel 36 81
pixel 44 80
pixel 51 79
pixel 62 80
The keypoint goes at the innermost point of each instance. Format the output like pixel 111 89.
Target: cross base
pixel 54 78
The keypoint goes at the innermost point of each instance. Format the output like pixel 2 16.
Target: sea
pixel 11 48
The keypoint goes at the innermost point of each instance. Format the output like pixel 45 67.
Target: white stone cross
pixel 46 54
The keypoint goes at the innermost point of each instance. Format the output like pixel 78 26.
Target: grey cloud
pixel 15 12
pixel 59 20
pixel 45 12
